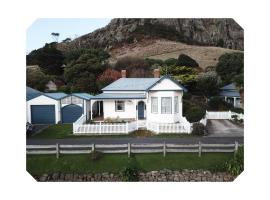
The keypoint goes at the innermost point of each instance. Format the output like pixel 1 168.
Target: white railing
pixel 182 127
pixel 222 115
pixel 101 128
pixel 218 115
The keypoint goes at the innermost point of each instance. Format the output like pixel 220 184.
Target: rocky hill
pixel 203 39
pixel 206 32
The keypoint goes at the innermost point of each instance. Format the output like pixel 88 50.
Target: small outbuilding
pixel 231 95
pixel 52 108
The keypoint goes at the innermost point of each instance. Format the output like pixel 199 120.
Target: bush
pixel 218 104
pixel 236 165
pixel 238 110
pixel 130 172
pixel 185 60
pixel 96 155
pixel 193 112
pixel 198 129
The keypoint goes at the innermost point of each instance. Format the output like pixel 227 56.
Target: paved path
pixel 190 140
pixel 224 128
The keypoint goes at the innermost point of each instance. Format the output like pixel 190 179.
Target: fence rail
pixel 130 148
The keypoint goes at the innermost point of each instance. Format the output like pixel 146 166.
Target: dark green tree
pixel 82 69
pixel 36 79
pixel 185 60
pixel 230 68
pixel 208 84
pixel 49 58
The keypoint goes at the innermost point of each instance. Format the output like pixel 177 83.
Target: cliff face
pixel 206 32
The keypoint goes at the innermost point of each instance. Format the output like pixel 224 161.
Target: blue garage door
pixel 71 113
pixel 43 114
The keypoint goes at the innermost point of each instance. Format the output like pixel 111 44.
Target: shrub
pixel 236 165
pixel 185 60
pixel 218 104
pixel 193 112
pixel 130 172
pixel 96 155
pixel 238 110
pixel 198 129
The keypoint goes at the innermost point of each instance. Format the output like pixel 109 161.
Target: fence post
pixel 93 147
pixel 235 148
pixel 164 149
pixel 200 149
pixel 100 128
pixel 57 150
pixel 230 114
pixel 126 127
pixel 128 149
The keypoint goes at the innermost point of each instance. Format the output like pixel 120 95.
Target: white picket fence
pixel 128 148
pixel 101 128
pixel 222 115
pixel 183 127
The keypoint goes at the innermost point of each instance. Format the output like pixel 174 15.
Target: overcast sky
pixel 40 31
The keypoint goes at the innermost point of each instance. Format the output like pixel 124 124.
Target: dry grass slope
pixel 164 49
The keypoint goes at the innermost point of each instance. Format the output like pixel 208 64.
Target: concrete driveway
pixel 224 128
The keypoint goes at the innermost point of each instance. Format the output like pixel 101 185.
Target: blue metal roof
pixel 131 84
pixel 85 96
pixel 137 84
pixel 56 95
pixel 229 91
pixel 229 87
pixel 32 93
pixel 120 96
pixel 229 94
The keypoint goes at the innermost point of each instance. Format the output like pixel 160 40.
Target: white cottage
pixel 157 99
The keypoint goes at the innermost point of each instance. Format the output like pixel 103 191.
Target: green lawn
pixel 39 164
pixel 59 131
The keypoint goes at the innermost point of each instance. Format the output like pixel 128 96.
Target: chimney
pixel 156 73
pixel 124 73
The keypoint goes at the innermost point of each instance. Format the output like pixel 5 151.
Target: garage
pixel 71 113
pixel 43 114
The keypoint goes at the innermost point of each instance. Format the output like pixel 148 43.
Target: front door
pixel 141 110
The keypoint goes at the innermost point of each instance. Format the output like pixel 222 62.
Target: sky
pixel 40 31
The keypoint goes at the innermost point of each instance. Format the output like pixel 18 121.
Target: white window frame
pixel 166 112
pixel 176 104
pixel 116 105
pixel 154 111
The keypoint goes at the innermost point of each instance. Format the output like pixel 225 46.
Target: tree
pixel 208 84
pixel 170 62
pixel 49 58
pixel 36 79
pixel 82 69
pixel 55 36
pixel 184 60
pixel 230 68
pixel 107 77
pixel 67 40
pixel 136 67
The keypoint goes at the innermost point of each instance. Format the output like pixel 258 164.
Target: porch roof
pixel 120 96
pixel 229 94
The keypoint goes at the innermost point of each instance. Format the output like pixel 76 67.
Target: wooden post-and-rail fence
pixel 129 148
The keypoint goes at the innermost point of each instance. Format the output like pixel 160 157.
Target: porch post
pixel 234 101
pixel 225 98
pixel 99 108
pixel 91 110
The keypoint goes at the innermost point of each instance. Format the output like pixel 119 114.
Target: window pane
pixel 154 104
pixel 176 105
pixel 119 106
pixel 166 105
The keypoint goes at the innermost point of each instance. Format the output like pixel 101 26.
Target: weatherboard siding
pixel 129 112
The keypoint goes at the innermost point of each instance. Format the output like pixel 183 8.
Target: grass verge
pixel 40 164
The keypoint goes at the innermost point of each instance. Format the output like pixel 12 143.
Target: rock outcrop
pixel 201 31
